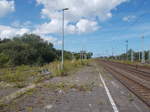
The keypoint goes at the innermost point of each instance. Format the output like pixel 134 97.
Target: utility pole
pixel 149 55
pixel 143 54
pixel 62 61
pixel 139 55
pixel 85 55
pixel 126 49
pixel 73 57
pixel 132 57
pixel 112 52
pixel 81 54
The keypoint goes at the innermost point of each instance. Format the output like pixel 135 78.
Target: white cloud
pixel 27 23
pixel 78 9
pixel 82 26
pixel 6 7
pixel 86 26
pixel 81 17
pixel 9 32
pixel 47 28
pixel 71 29
pixel 18 24
pixel 51 39
pixel 129 18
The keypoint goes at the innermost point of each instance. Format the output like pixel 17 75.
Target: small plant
pixel 29 109
pixel 2 105
pixel 131 98
pixel 20 84
pixel 39 79
pixel 63 73
pixel 87 87
pixel 30 92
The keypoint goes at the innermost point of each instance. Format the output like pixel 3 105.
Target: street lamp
pixel 62 61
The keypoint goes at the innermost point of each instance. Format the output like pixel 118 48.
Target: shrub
pixel 4 59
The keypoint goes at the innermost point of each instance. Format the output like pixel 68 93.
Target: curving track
pixel 136 79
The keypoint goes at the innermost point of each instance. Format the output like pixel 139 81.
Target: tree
pixel 31 49
pixel 28 49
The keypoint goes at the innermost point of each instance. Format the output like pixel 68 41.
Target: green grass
pixel 55 67
pixel 19 75
pixel 130 97
pixel 22 76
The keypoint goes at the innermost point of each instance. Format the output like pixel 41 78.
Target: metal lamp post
pixel 62 61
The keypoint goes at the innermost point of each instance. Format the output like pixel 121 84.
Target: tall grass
pixel 55 67
pixel 18 75
pixel 24 75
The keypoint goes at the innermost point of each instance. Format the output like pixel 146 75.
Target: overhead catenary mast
pixel 149 55
pixel 143 54
pixel 126 49
pixel 132 56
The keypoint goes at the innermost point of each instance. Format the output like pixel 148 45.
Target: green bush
pixel 4 59
pixel 28 49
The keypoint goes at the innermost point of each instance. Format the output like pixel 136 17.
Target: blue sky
pixel 97 26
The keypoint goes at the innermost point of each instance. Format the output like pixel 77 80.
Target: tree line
pixel 31 49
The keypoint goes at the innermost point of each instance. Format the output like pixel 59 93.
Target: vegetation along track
pixel 138 88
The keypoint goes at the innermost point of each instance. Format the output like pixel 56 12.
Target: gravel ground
pixel 6 91
pixel 82 91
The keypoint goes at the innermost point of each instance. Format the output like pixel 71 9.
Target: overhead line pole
pixel 112 52
pixel 143 54
pixel 126 49
pixel 139 55
pixel 149 55
pixel 132 56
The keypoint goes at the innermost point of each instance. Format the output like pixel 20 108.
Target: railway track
pixel 141 74
pixel 121 72
pixel 140 77
pixel 141 68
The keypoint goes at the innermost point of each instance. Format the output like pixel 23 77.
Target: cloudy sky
pixel 93 25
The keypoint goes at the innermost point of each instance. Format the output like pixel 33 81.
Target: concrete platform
pixel 125 100
pixel 74 100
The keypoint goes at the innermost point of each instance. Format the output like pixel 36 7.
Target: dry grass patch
pixel 22 76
